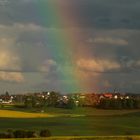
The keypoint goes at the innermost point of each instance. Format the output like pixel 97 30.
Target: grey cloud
pixel 122 82
pixel 109 41
pixel 96 14
pixel 32 33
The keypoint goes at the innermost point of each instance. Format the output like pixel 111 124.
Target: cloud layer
pixel 103 39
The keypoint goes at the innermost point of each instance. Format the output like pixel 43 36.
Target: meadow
pixel 87 138
pixel 75 122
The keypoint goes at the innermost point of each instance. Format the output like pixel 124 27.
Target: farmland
pixel 75 122
pixel 89 138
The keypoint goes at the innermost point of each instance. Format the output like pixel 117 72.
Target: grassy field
pixel 77 122
pixel 88 138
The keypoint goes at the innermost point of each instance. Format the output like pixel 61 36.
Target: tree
pixel 28 102
pixel 91 100
pixel 115 104
pixel 124 103
pixel 20 134
pixel 71 104
pixel 105 103
pixel 34 102
pixel 7 93
pixel 137 103
pixel 10 133
pixel 130 103
pixel 31 134
pixel 45 133
pixel 52 99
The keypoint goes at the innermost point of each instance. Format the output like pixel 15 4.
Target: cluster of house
pixel 6 99
pixel 93 99
pixel 114 96
pixel 86 98
pixel 20 98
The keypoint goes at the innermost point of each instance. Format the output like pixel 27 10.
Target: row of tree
pixel 53 100
pixel 119 104
pixel 25 134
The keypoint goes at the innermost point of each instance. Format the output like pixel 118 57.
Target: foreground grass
pixel 86 138
pixel 78 122
pixel 77 126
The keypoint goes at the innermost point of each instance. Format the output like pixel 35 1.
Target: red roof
pixel 108 95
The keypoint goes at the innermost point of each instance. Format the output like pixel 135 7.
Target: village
pixel 55 99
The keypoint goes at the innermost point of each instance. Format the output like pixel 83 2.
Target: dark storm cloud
pixel 96 13
pixel 19 11
pixel 121 82
pixel 120 46
pixel 107 14
pixel 106 33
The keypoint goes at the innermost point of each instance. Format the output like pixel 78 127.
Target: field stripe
pixel 84 138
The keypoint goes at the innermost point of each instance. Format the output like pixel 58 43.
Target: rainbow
pixel 62 44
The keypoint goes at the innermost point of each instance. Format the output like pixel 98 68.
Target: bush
pixel 31 134
pixel 3 135
pixel 24 134
pixel 45 133
pixel 20 134
pixel 10 133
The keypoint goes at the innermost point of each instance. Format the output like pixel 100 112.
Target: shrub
pixel 3 135
pixel 20 134
pixel 10 133
pixel 24 134
pixel 45 133
pixel 31 134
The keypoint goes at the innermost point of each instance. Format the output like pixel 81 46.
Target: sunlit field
pixel 18 114
pixel 10 111
pixel 89 138
pixel 76 122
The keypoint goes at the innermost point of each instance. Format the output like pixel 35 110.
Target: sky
pixel 69 46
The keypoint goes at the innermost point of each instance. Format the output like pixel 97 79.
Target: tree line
pixel 119 104
pixel 24 134
pixel 53 100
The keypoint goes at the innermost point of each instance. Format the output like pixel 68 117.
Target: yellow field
pixel 18 114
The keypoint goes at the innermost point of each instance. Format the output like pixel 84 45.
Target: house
pixel 108 95
pixel 6 99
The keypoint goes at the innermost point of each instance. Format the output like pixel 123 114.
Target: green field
pixel 77 122
pixel 88 138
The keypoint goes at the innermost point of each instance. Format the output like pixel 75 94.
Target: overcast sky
pixel 104 43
